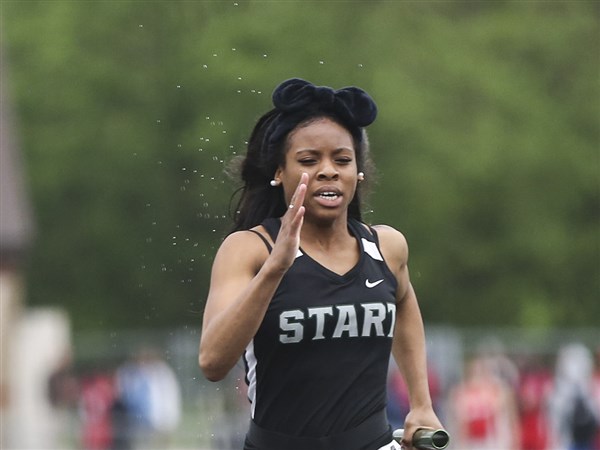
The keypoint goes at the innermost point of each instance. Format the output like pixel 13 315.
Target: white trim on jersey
pixel 251 375
pixel 391 446
pixel 371 249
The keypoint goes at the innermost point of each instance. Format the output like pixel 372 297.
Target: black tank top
pixel 318 364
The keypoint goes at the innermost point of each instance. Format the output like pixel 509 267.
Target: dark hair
pixel 298 103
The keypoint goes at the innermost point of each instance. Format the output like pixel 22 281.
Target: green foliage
pixel 487 144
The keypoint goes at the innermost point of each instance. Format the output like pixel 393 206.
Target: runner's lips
pixel 328 192
pixel 329 197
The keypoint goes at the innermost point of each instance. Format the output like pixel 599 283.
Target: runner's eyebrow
pixel 316 151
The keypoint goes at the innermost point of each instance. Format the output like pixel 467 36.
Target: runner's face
pixel 325 151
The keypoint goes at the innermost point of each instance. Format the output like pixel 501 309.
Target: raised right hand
pixel 288 240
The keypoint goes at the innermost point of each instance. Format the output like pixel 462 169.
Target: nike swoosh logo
pixel 373 284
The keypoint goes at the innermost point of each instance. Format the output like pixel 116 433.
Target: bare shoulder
pixel 389 232
pixel 393 245
pixel 243 248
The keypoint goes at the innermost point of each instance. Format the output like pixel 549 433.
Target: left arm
pixel 408 345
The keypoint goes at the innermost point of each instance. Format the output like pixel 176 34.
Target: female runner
pixel 313 299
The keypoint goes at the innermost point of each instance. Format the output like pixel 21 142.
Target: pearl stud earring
pixel 274 183
pixel 361 176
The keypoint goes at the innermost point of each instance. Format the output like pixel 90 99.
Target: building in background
pixel 32 342
pixel 16 229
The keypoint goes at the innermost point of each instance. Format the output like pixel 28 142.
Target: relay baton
pixel 426 438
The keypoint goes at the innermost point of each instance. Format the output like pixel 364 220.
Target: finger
pixel 299 196
pixel 296 218
pixel 300 192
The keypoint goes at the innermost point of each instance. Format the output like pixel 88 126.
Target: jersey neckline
pixel 351 273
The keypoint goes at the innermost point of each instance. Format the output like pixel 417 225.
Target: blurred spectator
pixel 63 385
pixel 534 387
pixel 574 410
pixel 149 400
pixel 63 395
pixel 96 400
pixel 483 411
pixel 121 425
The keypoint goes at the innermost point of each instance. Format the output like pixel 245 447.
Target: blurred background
pixel 119 119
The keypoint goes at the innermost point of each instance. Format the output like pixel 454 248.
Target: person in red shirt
pixel 534 386
pixel 483 410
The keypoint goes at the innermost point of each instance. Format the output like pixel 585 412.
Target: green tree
pixel 487 144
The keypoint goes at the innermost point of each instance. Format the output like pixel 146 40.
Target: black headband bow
pixel 295 100
pixel 353 105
